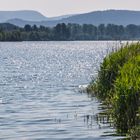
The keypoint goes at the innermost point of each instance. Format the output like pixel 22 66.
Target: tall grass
pixel 127 96
pixel 118 84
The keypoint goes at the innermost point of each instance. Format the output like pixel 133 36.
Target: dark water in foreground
pixel 39 91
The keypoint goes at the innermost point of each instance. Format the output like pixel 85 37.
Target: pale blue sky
pixel 61 7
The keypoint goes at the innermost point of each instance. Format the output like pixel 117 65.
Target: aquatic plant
pixel 118 84
pixel 127 96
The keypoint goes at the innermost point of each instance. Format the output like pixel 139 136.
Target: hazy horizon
pixel 65 14
pixel 51 8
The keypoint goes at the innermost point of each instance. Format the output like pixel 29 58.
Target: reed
pixel 118 84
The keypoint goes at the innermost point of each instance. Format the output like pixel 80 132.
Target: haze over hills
pixel 60 17
pixel 28 15
pixel 119 17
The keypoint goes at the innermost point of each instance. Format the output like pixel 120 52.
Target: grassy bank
pixel 118 85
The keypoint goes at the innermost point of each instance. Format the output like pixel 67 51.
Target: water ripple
pixel 39 90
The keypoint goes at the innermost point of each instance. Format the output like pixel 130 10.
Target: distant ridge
pixel 118 17
pixel 121 17
pixel 28 15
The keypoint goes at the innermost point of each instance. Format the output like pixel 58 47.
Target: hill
pixel 118 17
pixel 28 15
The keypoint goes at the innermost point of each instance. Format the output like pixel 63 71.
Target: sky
pixel 51 8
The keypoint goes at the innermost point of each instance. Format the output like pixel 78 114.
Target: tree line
pixel 69 32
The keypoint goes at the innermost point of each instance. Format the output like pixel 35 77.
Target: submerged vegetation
pixel 118 85
pixel 68 32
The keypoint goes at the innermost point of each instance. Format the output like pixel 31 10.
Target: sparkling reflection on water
pixel 39 90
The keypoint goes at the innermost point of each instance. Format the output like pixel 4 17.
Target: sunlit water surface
pixel 39 91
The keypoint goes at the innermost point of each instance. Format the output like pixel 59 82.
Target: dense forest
pixel 9 32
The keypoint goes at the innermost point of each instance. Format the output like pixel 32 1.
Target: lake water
pixel 39 91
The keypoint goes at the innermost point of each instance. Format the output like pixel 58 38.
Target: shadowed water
pixel 39 91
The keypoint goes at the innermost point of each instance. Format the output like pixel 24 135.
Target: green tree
pixel 27 28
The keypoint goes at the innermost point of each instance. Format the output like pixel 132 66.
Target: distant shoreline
pixel 69 32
